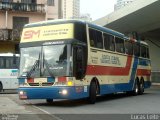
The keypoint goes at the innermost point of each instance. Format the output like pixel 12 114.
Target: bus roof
pixel 61 21
pixel 94 26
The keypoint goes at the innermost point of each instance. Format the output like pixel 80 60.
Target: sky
pixel 97 8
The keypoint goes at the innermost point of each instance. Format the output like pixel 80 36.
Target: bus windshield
pixel 44 61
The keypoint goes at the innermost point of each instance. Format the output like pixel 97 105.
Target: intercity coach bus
pixel 9 64
pixel 73 59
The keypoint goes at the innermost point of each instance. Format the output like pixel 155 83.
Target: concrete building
pixel 71 9
pixel 86 17
pixel 14 14
pixel 121 3
pixel 141 17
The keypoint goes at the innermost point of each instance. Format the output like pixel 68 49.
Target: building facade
pixel 121 3
pixel 86 17
pixel 14 14
pixel 71 9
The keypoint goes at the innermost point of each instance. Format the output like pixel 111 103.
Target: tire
pixel 49 100
pixel 1 87
pixel 135 92
pixel 141 87
pixel 92 93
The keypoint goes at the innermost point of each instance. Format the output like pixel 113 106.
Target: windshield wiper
pixel 36 64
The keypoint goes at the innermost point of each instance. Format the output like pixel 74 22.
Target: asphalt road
pixel 106 107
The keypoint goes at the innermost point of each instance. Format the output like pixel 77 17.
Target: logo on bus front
pixel 31 33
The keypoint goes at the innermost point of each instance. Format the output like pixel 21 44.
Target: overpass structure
pixel 143 18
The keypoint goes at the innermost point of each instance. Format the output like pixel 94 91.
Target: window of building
pixel 6 1
pixel 50 2
pixel 109 42
pixel 129 48
pixel 137 49
pixel 95 38
pixel 119 45
pixel 50 18
pixel 29 1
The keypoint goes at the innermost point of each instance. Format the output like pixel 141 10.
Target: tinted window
pixel 80 32
pixel 129 48
pixel 9 63
pixel 143 51
pixel 109 42
pixel 95 38
pixel 136 49
pixel 119 45
pixel 148 53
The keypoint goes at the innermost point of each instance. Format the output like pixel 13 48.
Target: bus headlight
pixel 21 93
pixel 64 92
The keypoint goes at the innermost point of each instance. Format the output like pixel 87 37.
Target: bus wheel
pixel 49 100
pixel 136 88
pixel 141 87
pixel 1 87
pixel 92 93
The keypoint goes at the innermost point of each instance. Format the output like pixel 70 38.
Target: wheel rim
pixel 136 90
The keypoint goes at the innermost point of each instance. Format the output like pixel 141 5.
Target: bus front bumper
pixel 53 92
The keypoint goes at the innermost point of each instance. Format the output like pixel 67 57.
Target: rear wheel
pixel 135 91
pixel 141 87
pixel 136 88
pixel 49 100
pixel 92 93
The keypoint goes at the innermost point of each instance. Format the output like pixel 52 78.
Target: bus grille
pixel 41 84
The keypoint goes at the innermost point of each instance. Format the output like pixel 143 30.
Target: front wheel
pixel 92 93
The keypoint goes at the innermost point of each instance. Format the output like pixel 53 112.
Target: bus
pixel 73 59
pixel 9 64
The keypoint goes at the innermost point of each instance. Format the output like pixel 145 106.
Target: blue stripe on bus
pixel 133 74
pixel 112 88
pixel 54 92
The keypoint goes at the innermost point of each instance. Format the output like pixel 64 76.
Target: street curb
pixel 155 83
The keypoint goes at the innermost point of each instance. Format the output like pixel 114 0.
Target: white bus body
pixel 9 64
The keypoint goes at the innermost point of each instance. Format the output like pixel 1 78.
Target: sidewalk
pixel 7 106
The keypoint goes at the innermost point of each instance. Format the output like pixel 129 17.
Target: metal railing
pixel 10 34
pixel 26 7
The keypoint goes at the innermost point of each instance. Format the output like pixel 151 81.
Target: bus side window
pixel 2 63
pixel 95 38
pixel 109 42
pixel 128 47
pixel 143 51
pixel 137 49
pixel 148 53
pixel 119 45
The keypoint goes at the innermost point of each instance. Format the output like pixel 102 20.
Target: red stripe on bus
pixel 143 72
pixel 109 70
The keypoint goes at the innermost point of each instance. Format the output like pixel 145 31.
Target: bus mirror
pixel 79 54
pixel 79 63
